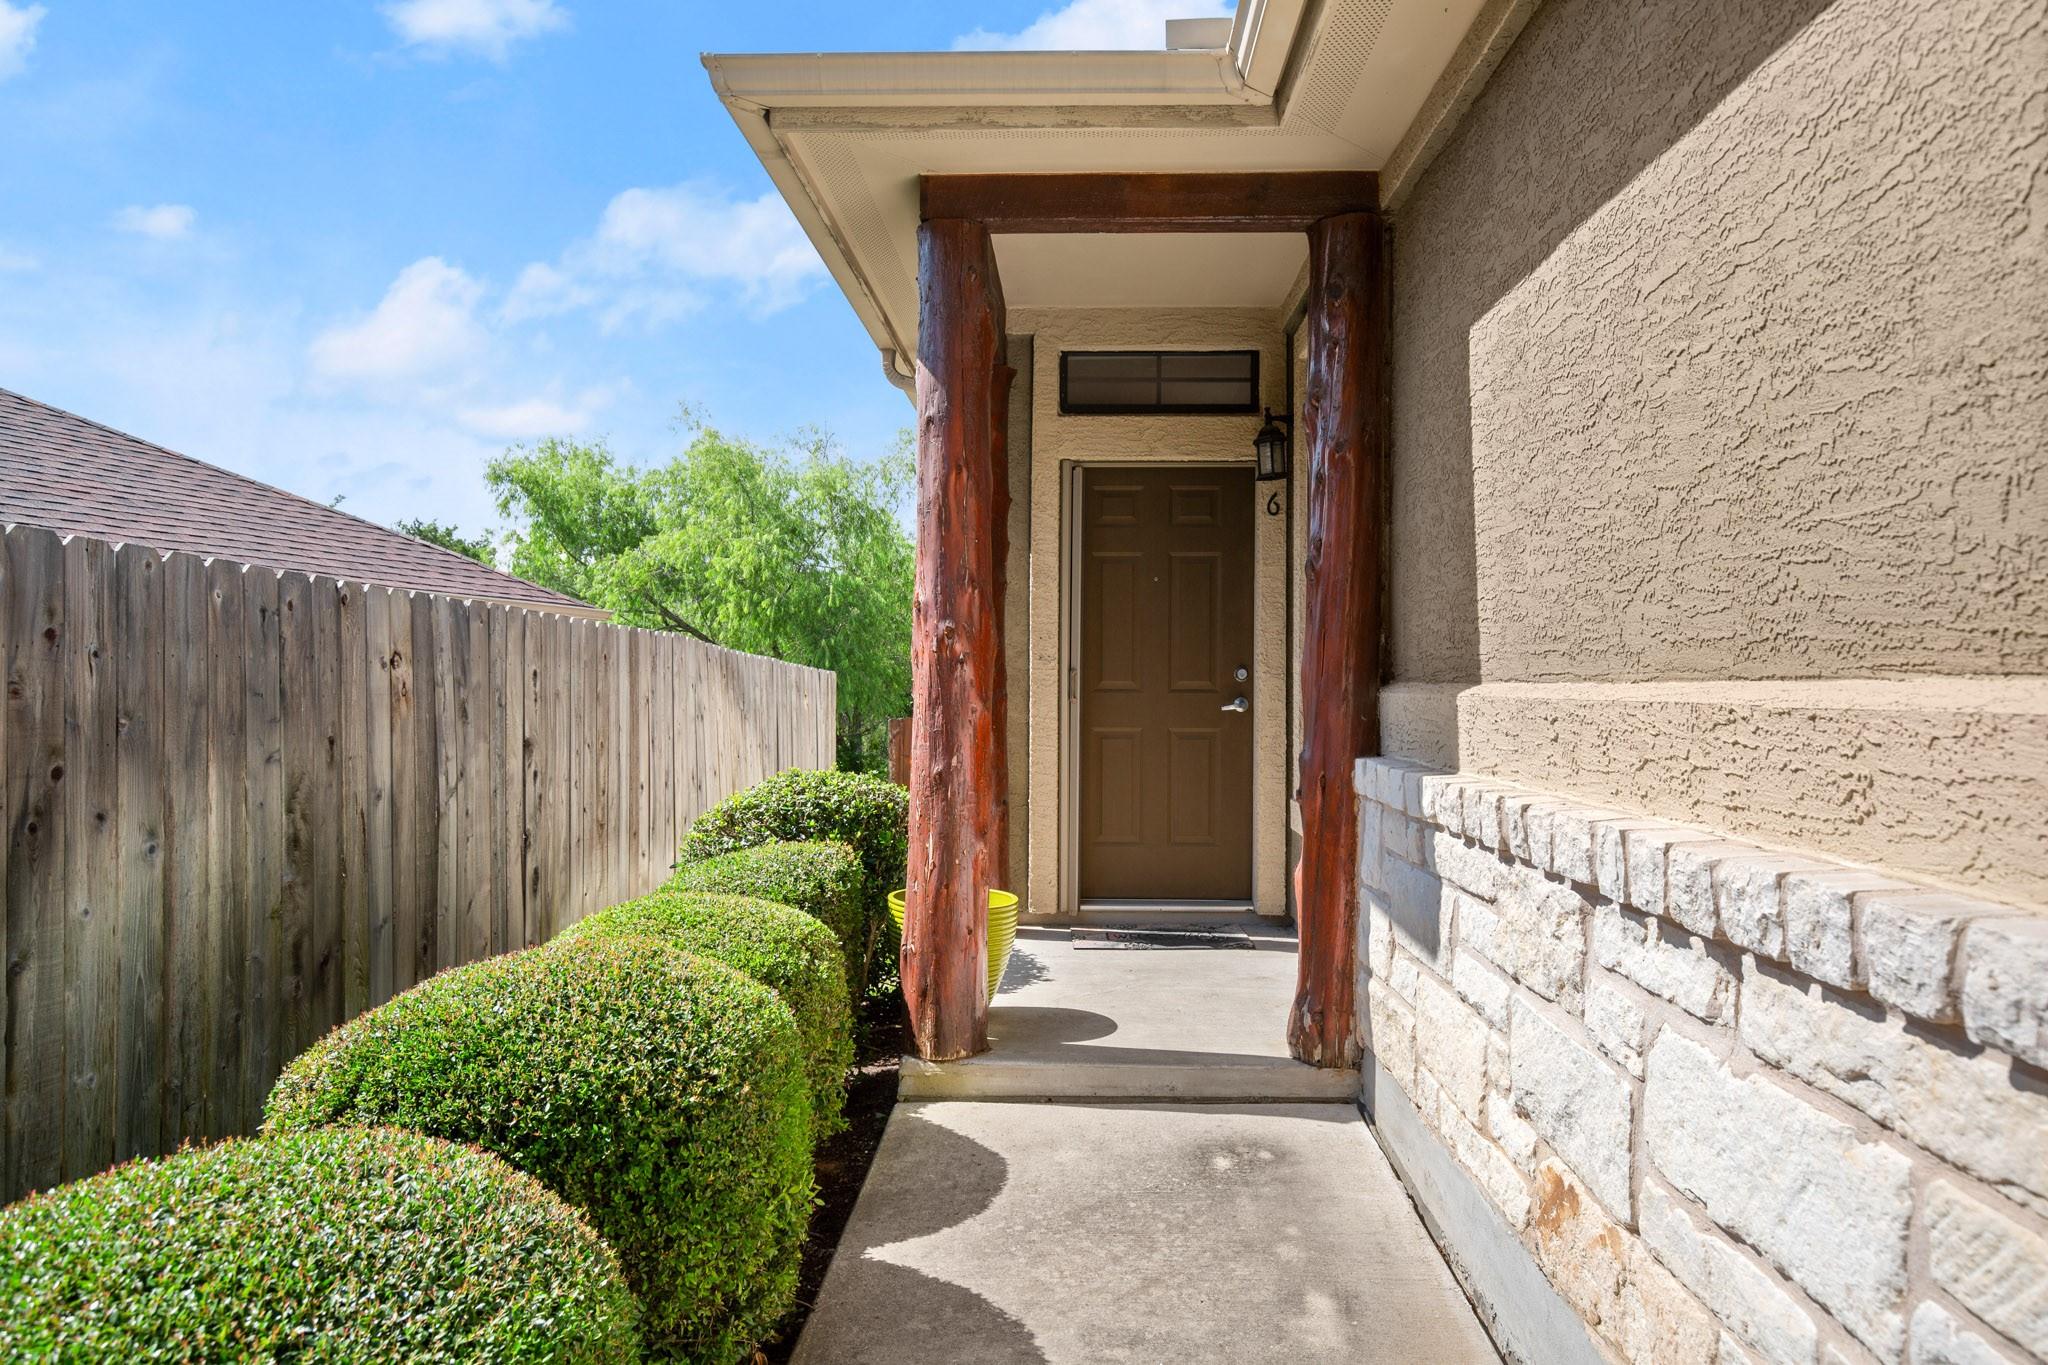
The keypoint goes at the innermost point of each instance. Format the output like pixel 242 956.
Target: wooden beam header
pixel 1261 201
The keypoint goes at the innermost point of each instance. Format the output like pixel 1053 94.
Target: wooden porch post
pixel 955 645
pixel 1345 425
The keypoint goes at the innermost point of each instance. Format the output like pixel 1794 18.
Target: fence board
pixel 138 758
pixel 379 843
pixel 227 909
pixel 188 928
pixel 92 978
pixel 242 805
pixel 263 745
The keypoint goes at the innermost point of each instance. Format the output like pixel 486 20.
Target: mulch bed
pixel 842 1166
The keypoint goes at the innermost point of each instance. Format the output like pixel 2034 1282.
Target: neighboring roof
pixel 1338 85
pixel 78 477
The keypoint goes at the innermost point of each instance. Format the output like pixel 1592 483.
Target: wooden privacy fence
pixel 242 806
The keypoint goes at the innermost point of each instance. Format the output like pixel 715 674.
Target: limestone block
pixel 1960 1103
pixel 1404 837
pixel 1571 841
pixel 1749 899
pixel 1618 1026
pixel 1419 908
pixel 1689 883
pixel 1511 1131
pixel 1430 789
pixel 2005 986
pixel 1828 1209
pixel 1993 1266
pixel 1611 1280
pixel 1482 987
pixel 1940 1338
pixel 1730 1352
pixel 1379 935
pixel 1466 866
pixel 1482 815
pixel 1390 1035
pixel 1404 975
pixel 1371 823
pixel 1364 778
pixel 1450 805
pixel 1610 853
pixel 1450 1044
pixel 1543 934
pixel 1663 961
pixel 1908 948
pixel 1525 821
pixel 1746 1299
pixel 1648 854
pixel 1488 1165
pixel 1820 922
pixel 1576 1100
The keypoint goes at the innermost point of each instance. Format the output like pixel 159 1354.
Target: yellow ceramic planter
pixel 1002 930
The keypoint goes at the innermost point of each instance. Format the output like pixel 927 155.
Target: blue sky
pixel 357 248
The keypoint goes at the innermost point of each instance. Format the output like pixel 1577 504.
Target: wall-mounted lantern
pixel 1271 445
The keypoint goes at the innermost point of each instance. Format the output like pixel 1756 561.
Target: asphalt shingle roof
pixel 78 477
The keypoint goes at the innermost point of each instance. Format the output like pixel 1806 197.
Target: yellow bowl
pixel 1002 930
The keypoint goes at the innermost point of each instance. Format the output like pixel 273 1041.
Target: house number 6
pixel 1273 505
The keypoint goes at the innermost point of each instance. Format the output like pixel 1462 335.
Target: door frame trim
pixel 1070 905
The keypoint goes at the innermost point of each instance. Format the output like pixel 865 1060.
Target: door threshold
pixel 1152 907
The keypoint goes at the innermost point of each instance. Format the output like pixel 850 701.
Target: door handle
pixel 1240 706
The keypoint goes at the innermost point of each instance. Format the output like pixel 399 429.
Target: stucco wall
pixel 1721 339
pixel 1056 439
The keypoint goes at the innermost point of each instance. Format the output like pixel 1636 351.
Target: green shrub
pixel 349 1244
pixel 821 879
pixel 660 1092
pixel 871 814
pixel 789 952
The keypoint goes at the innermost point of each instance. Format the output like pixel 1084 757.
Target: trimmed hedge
pixel 821 879
pixel 870 813
pixel 662 1093
pixel 783 949
pixel 349 1244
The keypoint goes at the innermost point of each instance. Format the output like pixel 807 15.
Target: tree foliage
pixel 797 554
pixel 449 537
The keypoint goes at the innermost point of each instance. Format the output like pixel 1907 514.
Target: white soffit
pixel 845 136
pixel 1138 270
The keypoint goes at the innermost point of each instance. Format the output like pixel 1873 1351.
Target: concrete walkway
pixel 1117 1230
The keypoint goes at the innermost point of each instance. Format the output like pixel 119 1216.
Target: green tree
pixel 448 537
pixel 797 554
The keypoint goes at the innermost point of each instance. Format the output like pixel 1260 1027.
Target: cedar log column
pixel 955 645
pixel 1340 657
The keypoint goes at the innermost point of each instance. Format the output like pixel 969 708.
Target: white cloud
pixel 1097 26
pixel 425 325
pixel 528 418
pixel 486 28
pixel 165 222
pixel 659 253
pixel 17 35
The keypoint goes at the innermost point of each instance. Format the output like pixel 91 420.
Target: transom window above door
pixel 1113 382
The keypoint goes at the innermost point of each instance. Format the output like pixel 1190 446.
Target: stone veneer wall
pixel 1731 1103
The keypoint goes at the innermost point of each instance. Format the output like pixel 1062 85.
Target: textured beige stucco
pixel 1056 440
pixel 1721 344
pixel 1720 359
pixel 1017 615
pixel 1941 778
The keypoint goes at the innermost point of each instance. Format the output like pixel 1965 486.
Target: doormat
pixel 1159 938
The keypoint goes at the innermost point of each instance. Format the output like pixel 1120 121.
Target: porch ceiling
pixel 846 136
pixel 1123 270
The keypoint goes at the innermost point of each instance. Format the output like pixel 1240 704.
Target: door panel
pixel 1166 622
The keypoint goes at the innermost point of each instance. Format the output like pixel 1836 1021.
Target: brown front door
pixel 1166 647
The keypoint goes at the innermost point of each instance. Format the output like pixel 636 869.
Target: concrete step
pixel 1140 1022
pixel 1187 1077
